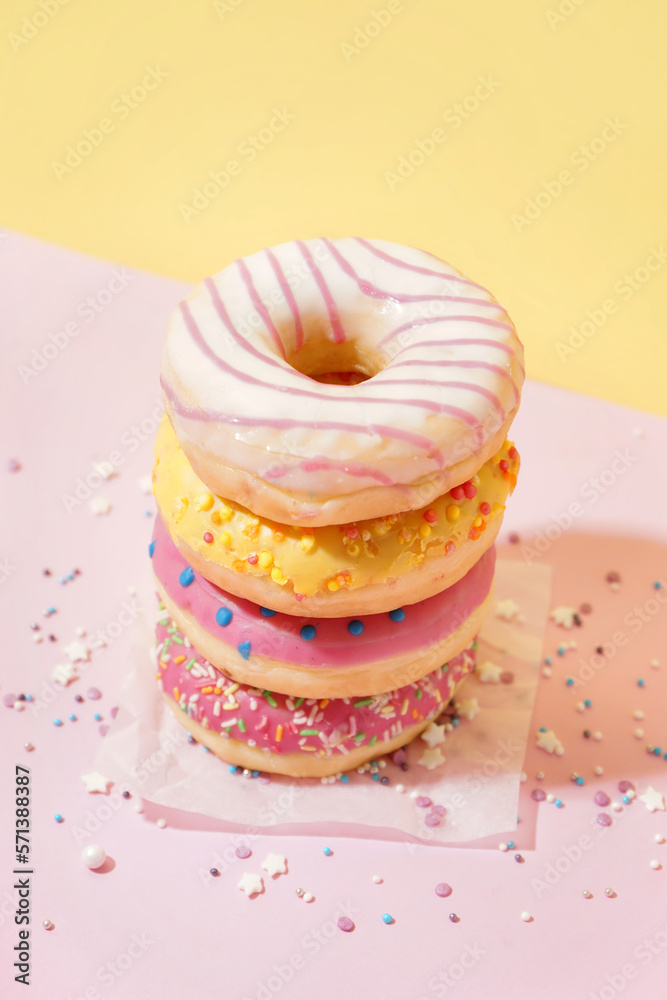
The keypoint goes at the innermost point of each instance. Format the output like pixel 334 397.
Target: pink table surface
pixel 153 925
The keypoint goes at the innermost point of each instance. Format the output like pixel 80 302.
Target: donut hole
pixel 335 364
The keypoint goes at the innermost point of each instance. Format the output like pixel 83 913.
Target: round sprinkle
pixel 625 786
pixel 454 918
pixel 587 894
pixel 208 537
pixel 242 852
pixel 609 892
pixel 387 918
pixel 526 916
pixel 93 856
pixel 56 722
pixel 186 577
pixel 266 612
pixel 223 616
pixel 214 872
pixel 327 851
pixel 519 858
pixel 423 801
pixel 58 818
pixel 355 627
pixel 659 838
pixel 602 799
pixel 244 649
pixel 432 819
pixel 377 879
pixel 538 795
pixel 308 897
pixel 161 823
pixel 510 844
pixel 502 846
pixel 94 694
pixel 604 819
pixel 398 615
pixel 443 889
pixel 138 806
pixel 47 925
pixel 308 632
pixel 345 924
pixel 640 682
pixel 654 864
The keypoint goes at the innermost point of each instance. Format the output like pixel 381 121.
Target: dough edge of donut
pixel 434 575
pixel 270 502
pixel 296 681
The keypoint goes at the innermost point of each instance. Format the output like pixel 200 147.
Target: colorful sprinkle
pixel 266 612
pixel 244 649
pixel 151 549
pixel 186 577
pixel 443 889
pixel 223 616
pixel 355 627
pixel 308 632
pixel 398 615
pixel 387 918
pixel 345 924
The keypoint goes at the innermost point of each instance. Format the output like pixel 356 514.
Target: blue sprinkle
pixel 588 703
pixel 57 722
pixel 191 738
pixel 232 768
pixel 510 845
pixel 223 616
pixel 244 649
pixel 548 660
pixel 186 577
pixel 70 576
pixel 327 851
pixel 58 818
pixel 657 751
pixel 308 632
pixel 97 717
pixel 625 799
pixel 206 750
pixel 562 650
pixel 266 612
pixel 375 777
pixel 570 681
pixel 455 721
pixel 398 615
pixel 387 917
pixel 580 781
pixel 657 585
pixel 151 549
pixel 355 627
pixel 345 777
pixel 543 729
pixel 72 717
pixel 255 774
pixel 558 803
pixel 640 683
pixel 28 697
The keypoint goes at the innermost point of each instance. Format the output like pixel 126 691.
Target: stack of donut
pixel 330 475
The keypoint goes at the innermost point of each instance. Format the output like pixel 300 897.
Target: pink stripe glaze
pixel 414 268
pixel 289 298
pixel 259 305
pixel 305 725
pixel 428 320
pixel 329 301
pixel 378 293
pixel 333 647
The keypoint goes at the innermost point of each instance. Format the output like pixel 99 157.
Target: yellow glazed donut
pixel 365 567
pixel 430 361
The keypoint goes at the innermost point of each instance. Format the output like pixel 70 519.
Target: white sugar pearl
pixel 639 733
pixel 414 794
pixel 161 823
pixel 138 806
pixel 597 735
pixel 308 897
pixel 659 838
pixel 399 788
pixel 526 916
pixel 546 671
pixel 19 706
pixel 581 707
pixel 93 856
pixel 617 807
pixel 639 715
pixel 377 879
pixel 551 797
pixel 655 664
pixel 502 847
pixel 631 793
pixel 598 770
pixel 654 864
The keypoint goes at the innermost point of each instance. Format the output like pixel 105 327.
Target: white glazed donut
pixel 246 353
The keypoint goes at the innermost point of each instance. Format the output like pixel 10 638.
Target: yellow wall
pixel 556 71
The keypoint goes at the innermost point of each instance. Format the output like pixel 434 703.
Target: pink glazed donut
pixel 327 381
pixel 303 737
pixel 358 655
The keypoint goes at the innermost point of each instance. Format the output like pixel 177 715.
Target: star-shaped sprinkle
pixel 652 799
pixel 274 864
pixel 564 616
pixel 96 782
pixel 433 735
pixel 549 741
pixel 509 610
pixel 78 651
pixel 100 505
pixel 251 884
pixel 488 672
pixel 64 674
pixel 431 759
pixel 467 709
